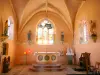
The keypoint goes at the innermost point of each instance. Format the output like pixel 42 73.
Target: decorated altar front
pixel 46 57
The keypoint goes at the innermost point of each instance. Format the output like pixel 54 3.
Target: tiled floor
pixel 24 70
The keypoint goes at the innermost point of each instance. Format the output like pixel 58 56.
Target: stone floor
pixel 24 70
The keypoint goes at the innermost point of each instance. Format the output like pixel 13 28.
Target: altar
pixel 46 57
pixel 46 61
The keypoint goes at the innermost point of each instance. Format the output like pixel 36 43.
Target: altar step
pixel 46 67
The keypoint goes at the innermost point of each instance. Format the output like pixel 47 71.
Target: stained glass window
pixel 45 33
pixel 83 32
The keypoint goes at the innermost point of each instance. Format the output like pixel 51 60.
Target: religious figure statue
pixel 62 37
pixel 61 52
pixel 93 27
pixel 93 31
pixel 6 28
pixel 29 36
pixel 5 67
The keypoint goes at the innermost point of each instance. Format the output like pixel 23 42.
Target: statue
pixel 29 36
pixel 5 66
pixel 93 27
pixel 6 28
pixel 93 30
pixel 62 37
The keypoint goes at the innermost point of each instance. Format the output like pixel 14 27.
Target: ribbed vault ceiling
pixel 25 10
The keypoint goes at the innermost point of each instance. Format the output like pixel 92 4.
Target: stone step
pixel 46 66
pixel 46 69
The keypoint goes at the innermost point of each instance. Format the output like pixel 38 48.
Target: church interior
pixel 49 37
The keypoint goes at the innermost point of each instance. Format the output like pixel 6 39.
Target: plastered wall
pixel 88 11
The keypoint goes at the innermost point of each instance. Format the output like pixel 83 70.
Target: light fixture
pixel 47 24
pixel 46 9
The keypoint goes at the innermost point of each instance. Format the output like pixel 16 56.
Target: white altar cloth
pixel 47 53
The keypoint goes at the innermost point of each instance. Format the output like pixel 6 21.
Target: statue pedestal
pixel 70 58
pixel 46 57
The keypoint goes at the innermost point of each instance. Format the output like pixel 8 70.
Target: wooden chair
pixel 85 58
pixel 87 61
